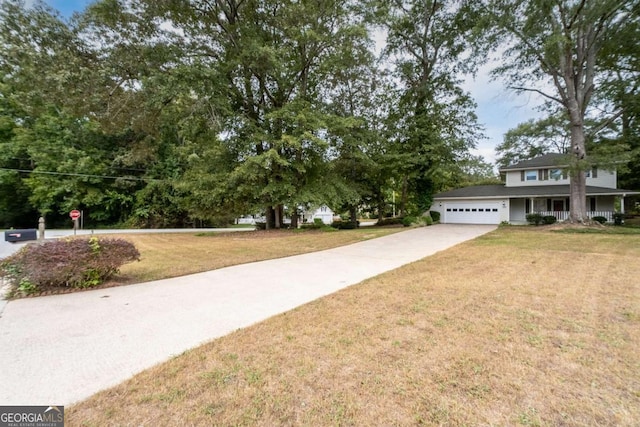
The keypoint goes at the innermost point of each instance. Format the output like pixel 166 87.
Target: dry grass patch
pixel 519 327
pixel 177 254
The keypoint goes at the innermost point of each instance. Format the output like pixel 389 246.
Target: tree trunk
pixel 353 212
pixel 405 196
pixel 381 206
pixel 294 219
pixel 578 182
pixel 278 216
pixel 270 218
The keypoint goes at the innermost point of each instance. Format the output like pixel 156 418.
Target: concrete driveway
pixel 56 350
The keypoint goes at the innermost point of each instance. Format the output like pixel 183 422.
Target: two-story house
pixel 538 185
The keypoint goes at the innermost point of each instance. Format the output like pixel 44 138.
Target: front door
pixel 558 205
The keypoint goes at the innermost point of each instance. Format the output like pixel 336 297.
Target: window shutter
pixel 539 174
pixel 521 175
pixel 546 174
pixel 594 172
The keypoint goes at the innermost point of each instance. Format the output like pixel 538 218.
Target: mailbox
pixel 20 235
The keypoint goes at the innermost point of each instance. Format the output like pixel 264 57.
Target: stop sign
pixel 74 214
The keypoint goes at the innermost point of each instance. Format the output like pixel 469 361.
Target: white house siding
pixel 323 213
pixel 517 210
pixel 604 203
pixel 606 179
pixel 514 179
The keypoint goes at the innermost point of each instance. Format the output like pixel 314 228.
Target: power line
pixel 81 175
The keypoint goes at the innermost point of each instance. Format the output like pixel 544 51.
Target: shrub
pixel 408 220
pixel 345 225
pixel 534 218
pixel 73 263
pixel 618 218
pixel 389 221
pixel 427 220
pixel 312 225
pixel 435 215
pixel 261 225
pixel 600 219
pixel 549 219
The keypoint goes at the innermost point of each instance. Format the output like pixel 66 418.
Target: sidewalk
pixel 56 350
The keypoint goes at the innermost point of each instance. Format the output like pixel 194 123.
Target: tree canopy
pixel 173 113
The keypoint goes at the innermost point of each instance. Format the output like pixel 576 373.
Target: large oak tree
pixel 555 48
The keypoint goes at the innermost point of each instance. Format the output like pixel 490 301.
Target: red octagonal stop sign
pixel 74 214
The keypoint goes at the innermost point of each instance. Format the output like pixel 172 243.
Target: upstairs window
pixel 593 173
pixel 555 174
pixel 531 175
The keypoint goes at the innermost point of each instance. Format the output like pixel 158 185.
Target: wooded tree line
pixel 168 113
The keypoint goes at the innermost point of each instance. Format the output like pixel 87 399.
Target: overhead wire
pixel 81 175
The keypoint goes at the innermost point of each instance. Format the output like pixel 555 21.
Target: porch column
pixel 622 203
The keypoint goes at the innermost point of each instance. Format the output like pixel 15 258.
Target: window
pixel 593 173
pixel 555 174
pixel 543 174
pixel 531 175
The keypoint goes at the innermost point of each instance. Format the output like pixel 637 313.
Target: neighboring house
pixel 250 219
pixel 323 212
pixel 539 185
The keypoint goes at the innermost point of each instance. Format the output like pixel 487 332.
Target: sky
pixel 498 109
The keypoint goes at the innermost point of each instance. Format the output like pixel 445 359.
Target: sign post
pixel 75 214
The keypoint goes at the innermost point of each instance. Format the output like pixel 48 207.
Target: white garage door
pixel 472 213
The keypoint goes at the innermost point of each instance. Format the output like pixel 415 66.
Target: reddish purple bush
pixel 74 263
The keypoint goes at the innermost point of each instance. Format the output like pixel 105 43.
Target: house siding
pixel 606 179
pixel 536 185
pixel 517 210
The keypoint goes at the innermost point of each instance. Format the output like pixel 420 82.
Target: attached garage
pixel 471 212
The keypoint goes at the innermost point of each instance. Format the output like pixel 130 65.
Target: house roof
pixel 546 160
pixel 501 191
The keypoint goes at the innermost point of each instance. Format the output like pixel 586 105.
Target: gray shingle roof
pixel 546 160
pixel 500 190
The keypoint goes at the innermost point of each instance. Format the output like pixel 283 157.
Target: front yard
pixel 522 326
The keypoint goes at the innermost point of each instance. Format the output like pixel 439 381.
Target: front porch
pixel 558 207
pixel 564 215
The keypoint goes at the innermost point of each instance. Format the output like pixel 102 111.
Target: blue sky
pixel 498 109
pixel 67 7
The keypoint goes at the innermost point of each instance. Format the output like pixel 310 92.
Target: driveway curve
pixel 60 349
